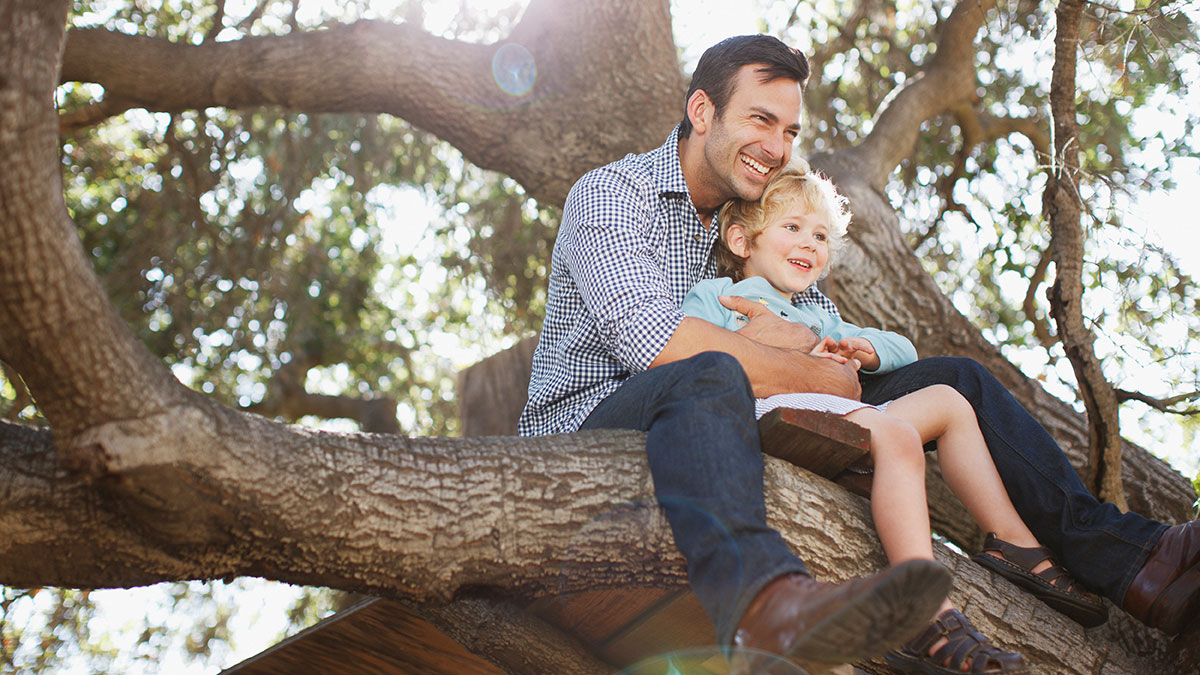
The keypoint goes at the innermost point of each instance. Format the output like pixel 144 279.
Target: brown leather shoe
pixel 1165 593
pixel 810 621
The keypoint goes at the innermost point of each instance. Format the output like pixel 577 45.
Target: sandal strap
pixel 1028 558
pixel 964 644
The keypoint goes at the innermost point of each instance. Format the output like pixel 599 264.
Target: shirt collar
pixel 668 173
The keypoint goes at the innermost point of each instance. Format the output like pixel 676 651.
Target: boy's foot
pixel 799 617
pixel 952 646
pixel 1053 584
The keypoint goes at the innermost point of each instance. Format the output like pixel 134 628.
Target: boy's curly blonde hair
pixel 796 182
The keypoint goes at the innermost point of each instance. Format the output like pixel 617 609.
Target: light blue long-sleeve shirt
pixel 894 350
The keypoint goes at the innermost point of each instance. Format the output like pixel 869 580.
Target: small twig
pixel 1160 404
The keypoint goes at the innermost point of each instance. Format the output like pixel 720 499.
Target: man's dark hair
pixel 721 62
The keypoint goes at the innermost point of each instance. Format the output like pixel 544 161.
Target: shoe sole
pixel 900 605
pixel 1178 606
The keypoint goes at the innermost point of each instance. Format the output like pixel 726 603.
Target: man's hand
pixel 766 328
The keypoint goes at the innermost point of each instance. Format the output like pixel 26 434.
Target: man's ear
pixel 735 239
pixel 700 110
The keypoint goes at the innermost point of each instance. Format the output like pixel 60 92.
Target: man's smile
pixel 754 165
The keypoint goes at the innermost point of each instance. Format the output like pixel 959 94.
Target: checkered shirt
pixel 629 248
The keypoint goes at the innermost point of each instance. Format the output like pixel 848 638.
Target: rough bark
pixel 1061 201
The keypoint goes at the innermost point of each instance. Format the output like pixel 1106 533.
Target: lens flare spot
pixel 514 69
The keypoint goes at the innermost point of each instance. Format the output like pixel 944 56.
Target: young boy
pixel 773 251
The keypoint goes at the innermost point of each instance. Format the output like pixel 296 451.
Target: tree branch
pixel 425 520
pixel 1061 201
pixel 1161 404
pixel 92 114
pixel 380 67
pixel 946 82
pixel 1029 304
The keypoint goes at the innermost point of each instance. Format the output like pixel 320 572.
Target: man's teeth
pixel 760 168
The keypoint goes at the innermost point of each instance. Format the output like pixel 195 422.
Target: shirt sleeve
pixel 701 302
pixel 608 246
pixel 894 350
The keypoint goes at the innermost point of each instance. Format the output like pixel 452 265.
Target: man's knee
pixel 971 378
pixel 714 372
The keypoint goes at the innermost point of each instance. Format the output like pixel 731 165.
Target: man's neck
pixel 692 163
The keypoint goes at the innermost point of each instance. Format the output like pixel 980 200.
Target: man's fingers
pixel 743 306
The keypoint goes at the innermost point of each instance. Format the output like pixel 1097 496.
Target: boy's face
pixel 792 250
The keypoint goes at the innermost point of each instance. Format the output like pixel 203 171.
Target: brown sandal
pixel 1054 585
pixel 963 645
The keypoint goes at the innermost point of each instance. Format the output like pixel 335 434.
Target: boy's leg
pixel 940 413
pixel 1102 547
pixel 898 504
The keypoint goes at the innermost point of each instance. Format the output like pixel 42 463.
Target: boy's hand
pixel 831 349
pixel 859 349
pixel 767 328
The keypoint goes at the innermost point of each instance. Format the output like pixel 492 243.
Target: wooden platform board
pixel 374 637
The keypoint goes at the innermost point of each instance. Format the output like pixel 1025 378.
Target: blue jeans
pixel 1102 547
pixel 703 449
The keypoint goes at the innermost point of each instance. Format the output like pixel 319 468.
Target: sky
pixel 1169 216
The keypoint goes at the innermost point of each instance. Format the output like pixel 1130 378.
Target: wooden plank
pixel 821 442
pixel 678 624
pixel 595 616
pixel 375 637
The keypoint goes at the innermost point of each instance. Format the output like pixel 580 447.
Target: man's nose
pixel 776 145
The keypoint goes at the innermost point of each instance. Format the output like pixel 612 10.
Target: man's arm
pixel 771 369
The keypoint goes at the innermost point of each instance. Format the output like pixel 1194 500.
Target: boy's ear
pixel 735 239
pixel 700 110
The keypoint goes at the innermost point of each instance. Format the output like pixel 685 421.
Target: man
pixel 615 352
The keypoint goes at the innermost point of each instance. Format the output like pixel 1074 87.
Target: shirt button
pixel 696 237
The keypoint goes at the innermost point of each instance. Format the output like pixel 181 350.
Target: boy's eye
pixel 791 228
pixel 820 236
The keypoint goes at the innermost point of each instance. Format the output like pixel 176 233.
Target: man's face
pixel 751 137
